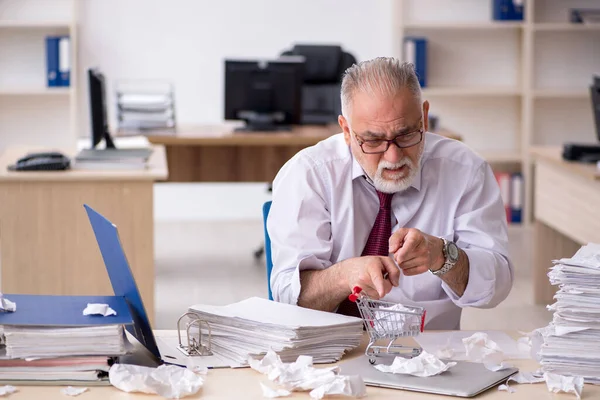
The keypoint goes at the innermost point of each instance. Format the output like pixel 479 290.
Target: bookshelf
pixel 506 86
pixel 31 113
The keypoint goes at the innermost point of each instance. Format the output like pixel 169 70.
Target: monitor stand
pixel 262 122
pixel 109 142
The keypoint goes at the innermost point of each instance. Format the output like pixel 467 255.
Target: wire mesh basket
pixel 386 322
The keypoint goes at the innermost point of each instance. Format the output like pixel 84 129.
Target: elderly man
pixel 409 216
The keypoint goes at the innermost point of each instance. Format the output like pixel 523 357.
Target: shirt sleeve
pixel 480 229
pixel 299 227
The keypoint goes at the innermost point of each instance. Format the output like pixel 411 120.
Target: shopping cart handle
pixel 355 292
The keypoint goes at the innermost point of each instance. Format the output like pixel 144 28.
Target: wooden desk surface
pixel 157 168
pixel 244 383
pixel 224 135
pixel 553 154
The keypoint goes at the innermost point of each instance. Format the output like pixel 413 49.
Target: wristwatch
pixel 450 252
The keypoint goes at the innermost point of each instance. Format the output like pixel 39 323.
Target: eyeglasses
pixel 378 146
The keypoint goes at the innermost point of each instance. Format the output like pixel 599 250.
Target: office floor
pixel 212 262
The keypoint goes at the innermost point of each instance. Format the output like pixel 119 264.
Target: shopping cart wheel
pixel 372 361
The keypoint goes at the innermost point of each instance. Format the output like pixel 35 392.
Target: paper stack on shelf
pixel 571 343
pixel 255 325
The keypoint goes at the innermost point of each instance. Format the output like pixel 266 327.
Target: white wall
pixel 186 41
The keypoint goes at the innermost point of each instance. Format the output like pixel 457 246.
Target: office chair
pixel 268 262
pixel 323 70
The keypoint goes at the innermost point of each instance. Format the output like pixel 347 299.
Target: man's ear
pixel 345 128
pixel 426 115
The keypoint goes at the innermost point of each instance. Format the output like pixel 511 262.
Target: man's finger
pixel 377 279
pixel 410 245
pixel 412 263
pixel 397 239
pixel 392 270
pixel 415 270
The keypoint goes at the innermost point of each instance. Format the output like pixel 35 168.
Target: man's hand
pixel 367 272
pixel 416 252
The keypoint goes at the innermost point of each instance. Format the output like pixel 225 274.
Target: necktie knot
pixel 385 200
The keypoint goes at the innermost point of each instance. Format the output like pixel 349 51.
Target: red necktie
pixel 377 243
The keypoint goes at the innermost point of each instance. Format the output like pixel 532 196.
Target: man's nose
pixel 393 153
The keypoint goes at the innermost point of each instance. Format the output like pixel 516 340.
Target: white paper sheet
pixel 567 384
pixel 71 391
pixel 449 345
pixel 302 376
pixel 506 388
pixel 7 305
pixel 6 390
pixel 169 381
pixel 99 309
pixel 424 365
pixel 270 393
pixel 480 348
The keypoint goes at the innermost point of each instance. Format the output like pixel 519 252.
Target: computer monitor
pixel 266 94
pixel 98 114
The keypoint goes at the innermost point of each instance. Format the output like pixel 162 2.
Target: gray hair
pixel 381 75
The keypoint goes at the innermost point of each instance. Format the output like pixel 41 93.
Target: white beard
pixel 392 185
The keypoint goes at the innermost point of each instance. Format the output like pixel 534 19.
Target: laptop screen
pixel 121 278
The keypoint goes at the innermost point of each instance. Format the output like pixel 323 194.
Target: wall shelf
pixel 560 93
pixel 32 91
pixel 464 25
pixel 565 27
pixel 487 91
pixel 34 24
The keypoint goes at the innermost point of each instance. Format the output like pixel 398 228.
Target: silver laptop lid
pixel 465 379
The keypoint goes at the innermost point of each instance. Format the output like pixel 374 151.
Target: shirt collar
pixel 357 172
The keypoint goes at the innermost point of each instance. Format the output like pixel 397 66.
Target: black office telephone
pixel 47 161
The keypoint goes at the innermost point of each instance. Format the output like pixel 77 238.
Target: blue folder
pixel 52 60
pixel 121 278
pixel 66 311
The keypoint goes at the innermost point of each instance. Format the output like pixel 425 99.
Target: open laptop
pixel 465 379
pixel 162 349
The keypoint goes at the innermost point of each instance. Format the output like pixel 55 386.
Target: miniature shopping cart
pixel 387 322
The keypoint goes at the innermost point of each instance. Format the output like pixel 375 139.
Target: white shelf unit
pixel 31 113
pixel 506 86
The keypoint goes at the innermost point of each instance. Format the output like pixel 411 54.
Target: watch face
pixel 452 251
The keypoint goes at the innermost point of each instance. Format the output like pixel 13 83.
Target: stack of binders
pixel 511 190
pixel 571 343
pixel 49 340
pixel 254 326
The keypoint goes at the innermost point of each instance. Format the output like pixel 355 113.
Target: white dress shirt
pixel 324 208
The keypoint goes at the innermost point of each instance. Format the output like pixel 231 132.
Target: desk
pixel 218 154
pixel 47 245
pixel 243 383
pixel 566 212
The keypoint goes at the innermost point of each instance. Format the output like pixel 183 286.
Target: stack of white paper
pixel 254 326
pixel 36 341
pixel 571 343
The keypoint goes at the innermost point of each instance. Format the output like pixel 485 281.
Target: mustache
pixel 383 164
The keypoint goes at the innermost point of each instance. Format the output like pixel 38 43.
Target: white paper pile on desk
pixel 254 326
pixel 571 343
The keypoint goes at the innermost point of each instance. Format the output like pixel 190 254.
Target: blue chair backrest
pixel 269 262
